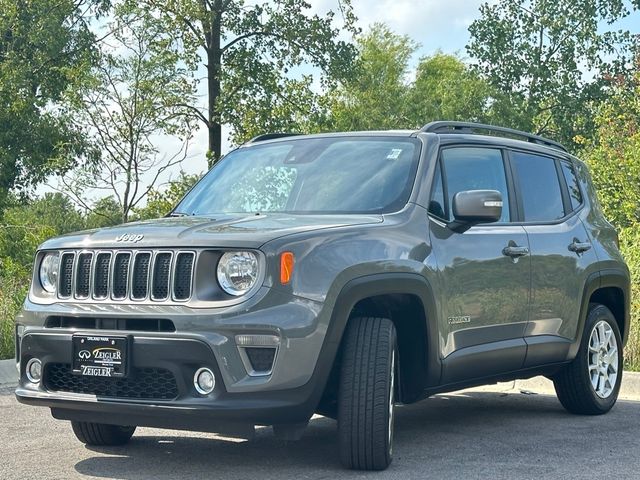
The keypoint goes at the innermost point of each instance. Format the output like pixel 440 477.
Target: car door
pixel 550 204
pixel 483 272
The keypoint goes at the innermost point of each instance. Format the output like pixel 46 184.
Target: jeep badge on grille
pixel 129 237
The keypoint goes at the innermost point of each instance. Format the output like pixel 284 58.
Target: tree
pixel 535 53
pixel 24 226
pixel 45 47
pixel 135 95
pixel 249 51
pixel 161 202
pixel 376 96
pixel 614 154
pixel 447 89
pixel 383 95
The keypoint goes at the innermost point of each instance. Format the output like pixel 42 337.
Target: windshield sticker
pixel 395 154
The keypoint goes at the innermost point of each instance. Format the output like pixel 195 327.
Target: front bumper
pixel 202 338
pixel 220 411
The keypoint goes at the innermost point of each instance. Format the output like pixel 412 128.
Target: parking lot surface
pixel 494 432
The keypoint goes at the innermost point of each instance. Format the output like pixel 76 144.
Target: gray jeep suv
pixel 337 274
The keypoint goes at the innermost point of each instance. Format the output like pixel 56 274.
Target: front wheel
pixel 590 384
pixel 366 396
pixel 102 435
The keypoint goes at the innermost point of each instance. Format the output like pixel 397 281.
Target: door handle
pixel 514 251
pixel 579 247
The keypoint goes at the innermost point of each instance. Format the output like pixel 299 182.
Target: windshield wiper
pixel 178 214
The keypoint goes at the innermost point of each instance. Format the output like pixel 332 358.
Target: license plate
pixel 98 356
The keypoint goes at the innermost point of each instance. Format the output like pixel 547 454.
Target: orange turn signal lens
pixel 286 267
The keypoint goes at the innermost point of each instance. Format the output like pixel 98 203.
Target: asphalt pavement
pixel 505 431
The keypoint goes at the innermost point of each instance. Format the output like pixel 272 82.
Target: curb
pixel 8 373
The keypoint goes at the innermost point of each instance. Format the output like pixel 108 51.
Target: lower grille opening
pixel 143 383
pixel 134 324
pixel 261 358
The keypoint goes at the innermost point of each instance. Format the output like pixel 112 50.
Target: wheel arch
pixel 392 295
pixel 610 287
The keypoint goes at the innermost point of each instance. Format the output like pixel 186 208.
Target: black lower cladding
pixel 143 383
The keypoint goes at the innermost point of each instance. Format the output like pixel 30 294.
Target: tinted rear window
pixel 539 187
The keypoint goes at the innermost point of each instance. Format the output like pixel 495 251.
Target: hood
pixel 241 231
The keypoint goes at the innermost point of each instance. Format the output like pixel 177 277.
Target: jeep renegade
pixel 337 274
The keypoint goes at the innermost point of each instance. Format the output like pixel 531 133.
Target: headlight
pixel 237 272
pixel 49 271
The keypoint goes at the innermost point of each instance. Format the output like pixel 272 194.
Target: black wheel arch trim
pixel 610 277
pixel 373 285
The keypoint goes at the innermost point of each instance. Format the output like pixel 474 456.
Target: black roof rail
pixel 470 128
pixel 271 136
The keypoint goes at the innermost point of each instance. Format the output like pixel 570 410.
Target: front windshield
pixel 309 175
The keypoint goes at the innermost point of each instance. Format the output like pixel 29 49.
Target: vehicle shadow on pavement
pixel 470 434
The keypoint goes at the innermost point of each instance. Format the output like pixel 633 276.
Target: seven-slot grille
pixel 121 275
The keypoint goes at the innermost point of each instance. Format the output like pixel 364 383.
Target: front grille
pixel 143 383
pixel 83 275
pixel 161 276
pixel 121 275
pixel 66 275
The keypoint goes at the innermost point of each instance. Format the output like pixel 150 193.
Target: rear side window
pixel 539 187
pixel 572 184
pixel 468 168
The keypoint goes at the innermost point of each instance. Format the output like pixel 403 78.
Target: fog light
pixel 34 370
pixel 205 381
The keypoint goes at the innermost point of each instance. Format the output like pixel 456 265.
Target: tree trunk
pixel 214 62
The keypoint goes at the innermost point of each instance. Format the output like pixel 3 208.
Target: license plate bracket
pixel 100 355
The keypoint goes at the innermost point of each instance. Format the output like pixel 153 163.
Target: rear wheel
pixel 100 434
pixel 590 384
pixel 366 396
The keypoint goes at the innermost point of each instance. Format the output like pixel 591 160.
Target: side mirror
pixel 477 206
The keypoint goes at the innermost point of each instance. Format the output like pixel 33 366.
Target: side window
pixel 572 184
pixel 468 168
pixel 539 187
pixel 436 205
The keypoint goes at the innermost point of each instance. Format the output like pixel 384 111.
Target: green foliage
pixel 161 202
pixel 13 290
pixel 382 95
pixel 24 227
pixel 446 89
pixel 630 246
pixel 614 160
pixel 250 51
pixel 535 53
pixel 44 51
pixel 614 155
pixel 376 97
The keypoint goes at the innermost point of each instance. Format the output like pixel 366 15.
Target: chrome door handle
pixel 514 251
pixel 579 247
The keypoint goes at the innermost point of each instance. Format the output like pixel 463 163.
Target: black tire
pixel 573 383
pixel 367 393
pixel 102 435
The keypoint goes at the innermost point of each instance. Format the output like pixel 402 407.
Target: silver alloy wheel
pixel 603 359
pixel 392 399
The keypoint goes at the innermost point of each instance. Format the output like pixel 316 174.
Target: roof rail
pixel 470 128
pixel 271 136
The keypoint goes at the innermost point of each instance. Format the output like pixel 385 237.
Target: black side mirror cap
pixel 471 207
